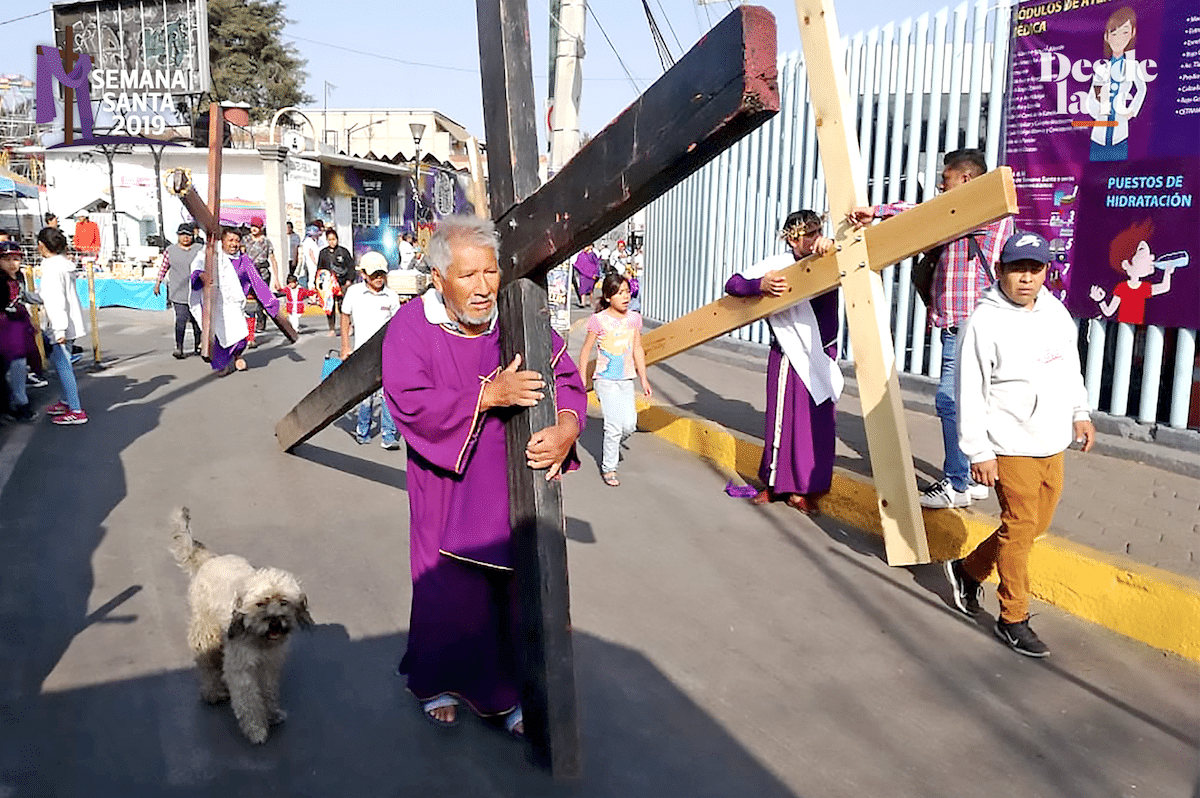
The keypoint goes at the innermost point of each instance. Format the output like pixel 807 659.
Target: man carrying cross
pixel 236 279
pixel 803 378
pixel 449 393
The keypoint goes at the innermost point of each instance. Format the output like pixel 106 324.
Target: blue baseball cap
pixel 9 248
pixel 1024 245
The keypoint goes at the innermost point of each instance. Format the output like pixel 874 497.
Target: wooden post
pixel 212 240
pixel 35 316
pixel 548 696
pixel 68 58
pixel 91 284
pixel 478 184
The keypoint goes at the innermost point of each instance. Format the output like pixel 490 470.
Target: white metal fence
pixel 951 69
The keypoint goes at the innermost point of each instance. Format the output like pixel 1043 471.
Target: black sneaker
pixel 1021 639
pixel 963 589
pixel 178 354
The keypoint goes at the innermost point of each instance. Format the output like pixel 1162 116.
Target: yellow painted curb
pixel 1148 604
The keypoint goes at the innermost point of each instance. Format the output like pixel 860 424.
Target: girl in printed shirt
pixel 619 332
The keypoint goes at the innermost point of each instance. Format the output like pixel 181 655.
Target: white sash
pixel 796 330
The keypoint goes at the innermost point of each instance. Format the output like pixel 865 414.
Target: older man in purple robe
pixel 803 379
pixel 448 393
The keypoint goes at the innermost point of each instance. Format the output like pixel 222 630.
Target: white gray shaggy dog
pixel 242 617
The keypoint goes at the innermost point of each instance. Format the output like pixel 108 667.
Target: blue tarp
pixel 136 294
pixel 9 187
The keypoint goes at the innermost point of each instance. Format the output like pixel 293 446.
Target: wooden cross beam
pixel 718 92
pixel 943 218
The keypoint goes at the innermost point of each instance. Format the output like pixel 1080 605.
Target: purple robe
pixel 18 338
pixel 463 619
pixel 251 281
pixel 800 435
pixel 587 266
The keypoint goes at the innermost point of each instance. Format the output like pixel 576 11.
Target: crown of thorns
pixel 794 231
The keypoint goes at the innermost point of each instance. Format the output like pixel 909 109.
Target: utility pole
pixel 567 21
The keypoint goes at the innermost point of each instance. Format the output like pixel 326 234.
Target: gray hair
pixel 460 230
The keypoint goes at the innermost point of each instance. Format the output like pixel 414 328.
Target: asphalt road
pixel 721 650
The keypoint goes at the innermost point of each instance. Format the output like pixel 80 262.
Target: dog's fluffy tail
pixel 188 552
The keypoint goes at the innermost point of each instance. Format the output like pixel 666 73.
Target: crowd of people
pixel 594 263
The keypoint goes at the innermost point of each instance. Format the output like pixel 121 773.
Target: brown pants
pixel 1028 489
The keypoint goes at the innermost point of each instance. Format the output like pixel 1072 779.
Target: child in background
pixel 18 342
pixel 619 331
pixel 295 298
pixel 64 322
pixel 1021 400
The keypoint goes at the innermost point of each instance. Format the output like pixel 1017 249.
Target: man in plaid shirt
pixel 965 268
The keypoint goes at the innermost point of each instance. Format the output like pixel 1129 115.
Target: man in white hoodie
pixel 1021 400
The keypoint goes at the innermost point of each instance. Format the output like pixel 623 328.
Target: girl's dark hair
pixel 53 239
pixel 609 288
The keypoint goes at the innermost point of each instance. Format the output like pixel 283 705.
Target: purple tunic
pixel 462 622
pixel 800 435
pixel 250 279
pixel 587 265
pixel 18 338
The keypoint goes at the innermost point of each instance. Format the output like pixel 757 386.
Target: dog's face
pixel 269 607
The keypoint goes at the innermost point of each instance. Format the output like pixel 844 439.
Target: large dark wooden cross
pixel 718 92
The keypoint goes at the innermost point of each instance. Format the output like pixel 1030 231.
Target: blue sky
pixel 418 54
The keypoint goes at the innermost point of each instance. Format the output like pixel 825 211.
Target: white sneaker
pixel 978 492
pixel 942 495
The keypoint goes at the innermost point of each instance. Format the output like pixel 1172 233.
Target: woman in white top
pixel 64 322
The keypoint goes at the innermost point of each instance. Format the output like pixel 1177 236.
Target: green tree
pixel 250 62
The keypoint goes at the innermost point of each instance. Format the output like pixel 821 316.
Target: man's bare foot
pixel 762 497
pixel 444 714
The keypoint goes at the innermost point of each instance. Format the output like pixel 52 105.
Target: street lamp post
pixel 418 132
pixel 355 128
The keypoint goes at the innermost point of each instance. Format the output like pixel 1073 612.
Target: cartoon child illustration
pixel 1130 253
pixel 1118 90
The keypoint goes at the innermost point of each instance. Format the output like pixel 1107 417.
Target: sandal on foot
pixel 442 701
pixel 512 720
pixel 610 479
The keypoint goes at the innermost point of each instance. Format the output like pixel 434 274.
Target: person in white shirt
pixel 310 251
pixel 1021 400
pixel 367 307
pixel 64 322
pixel 405 251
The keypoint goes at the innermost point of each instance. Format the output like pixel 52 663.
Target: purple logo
pixel 137 99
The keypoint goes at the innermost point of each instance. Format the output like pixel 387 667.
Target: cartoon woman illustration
pixel 1130 253
pixel 1118 89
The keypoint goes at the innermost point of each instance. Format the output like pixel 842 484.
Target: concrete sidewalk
pixel 1122 552
pixel 1111 501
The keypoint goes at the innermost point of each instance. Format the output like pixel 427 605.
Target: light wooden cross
pixel 854 264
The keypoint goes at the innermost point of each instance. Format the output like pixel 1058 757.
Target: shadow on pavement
pixel 354 730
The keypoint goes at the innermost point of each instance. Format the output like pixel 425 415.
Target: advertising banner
pixel 1103 135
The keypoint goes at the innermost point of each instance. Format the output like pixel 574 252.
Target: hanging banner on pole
pixel 1103 135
